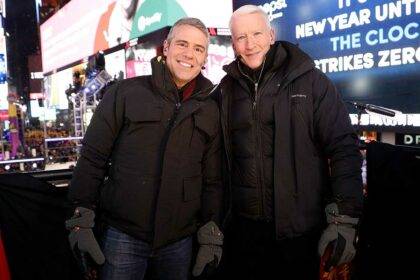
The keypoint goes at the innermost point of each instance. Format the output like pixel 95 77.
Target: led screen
pixel 369 48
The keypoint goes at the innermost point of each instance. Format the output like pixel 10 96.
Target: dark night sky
pixel 21 24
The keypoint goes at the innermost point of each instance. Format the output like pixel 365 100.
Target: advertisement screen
pixel 3 69
pixel 220 53
pixel 36 110
pixel 138 60
pixel 369 48
pixel 82 28
pixel 55 89
pixel 4 90
pixel 115 64
pixel 4 116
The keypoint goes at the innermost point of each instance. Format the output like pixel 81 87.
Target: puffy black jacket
pixel 252 137
pixel 311 129
pixel 164 172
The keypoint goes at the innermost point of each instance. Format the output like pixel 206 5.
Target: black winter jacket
pixel 252 137
pixel 316 155
pixel 163 158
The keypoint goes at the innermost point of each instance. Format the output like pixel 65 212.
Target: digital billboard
pixel 36 110
pixel 55 87
pixel 115 64
pixel 82 28
pixel 369 48
pixel 4 88
pixel 220 53
pixel 3 69
pixel 138 59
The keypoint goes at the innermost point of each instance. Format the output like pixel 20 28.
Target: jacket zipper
pixel 259 143
pixel 260 160
pixel 168 132
pixel 258 146
pixel 254 104
pixel 162 157
pixel 172 122
pixel 225 131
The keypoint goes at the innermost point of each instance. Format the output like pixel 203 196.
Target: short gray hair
pixel 247 10
pixel 194 22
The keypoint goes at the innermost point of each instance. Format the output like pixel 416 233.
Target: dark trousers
pixel 252 252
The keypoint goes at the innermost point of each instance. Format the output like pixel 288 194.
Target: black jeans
pixel 252 252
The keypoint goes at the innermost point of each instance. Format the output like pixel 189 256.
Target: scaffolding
pixel 86 101
pixel 66 150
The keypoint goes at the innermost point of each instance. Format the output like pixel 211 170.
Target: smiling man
pixel 158 138
pixel 186 52
pixel 291 152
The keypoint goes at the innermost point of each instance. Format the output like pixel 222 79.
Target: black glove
pixel 82 240
pixel 209 254
pixel 341 233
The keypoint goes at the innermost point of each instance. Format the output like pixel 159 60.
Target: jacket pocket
pixel 203 130
pixel 133 198
pixel 204 125
pixel 144 113
pixel 142 122
pixel 304 127
pixel 190 206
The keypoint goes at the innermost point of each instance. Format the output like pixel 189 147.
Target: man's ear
pixel 165 47
pixel 272 36
pixel 234 50
pixel 203 66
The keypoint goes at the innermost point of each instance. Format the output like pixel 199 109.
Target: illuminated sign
pixel 37 75
pixel 369 48
pixel 82 28
pixel 274 8
pixel 138 59
pixel 220 53
pixel 4 103
pixel 407 139
pixel 409 120
pixel 3 8
pixel 37 95
pixel 115 64
pixel 36 110
pixel 4 88
pixel 3 69
pixel 55 89
pixel 4 115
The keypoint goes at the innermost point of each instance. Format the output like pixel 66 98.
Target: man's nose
pixel 250 42
pixel 188 52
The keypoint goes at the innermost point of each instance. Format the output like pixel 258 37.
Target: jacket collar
pixel 293 61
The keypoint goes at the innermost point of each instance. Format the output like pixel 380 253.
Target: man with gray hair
pixel 291 153
pixel 158 138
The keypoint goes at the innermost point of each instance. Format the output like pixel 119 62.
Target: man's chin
pixel 184 80
pixel 253 64
pixel 188 77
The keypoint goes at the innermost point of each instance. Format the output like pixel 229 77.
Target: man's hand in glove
pixel 341 232
pixel 82 241
pixel 209 254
